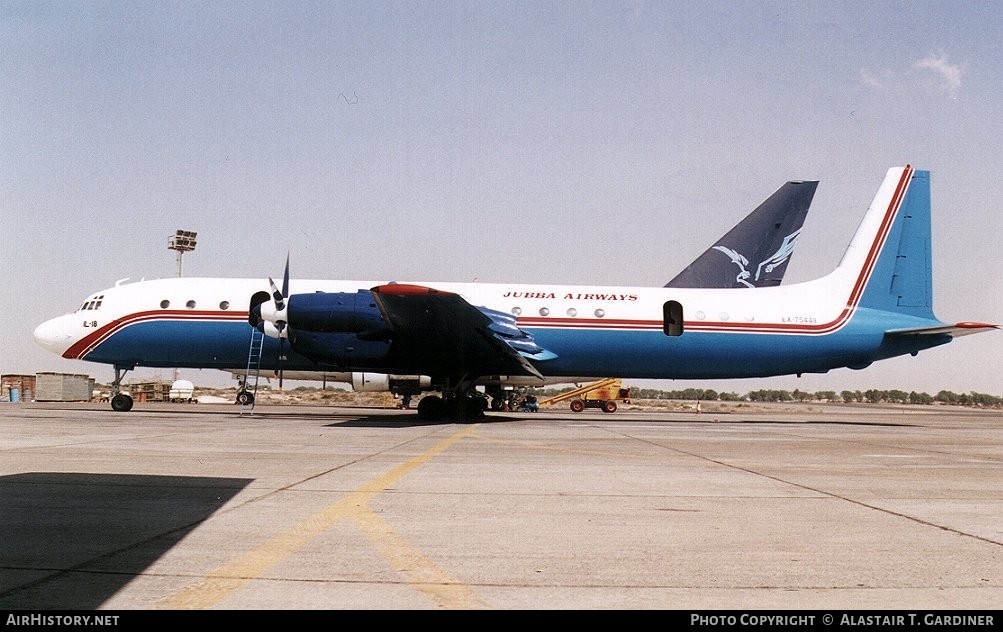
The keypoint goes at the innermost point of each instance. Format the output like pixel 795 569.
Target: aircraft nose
pixel 53 335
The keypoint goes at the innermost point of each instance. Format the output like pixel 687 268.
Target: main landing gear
pixel 458 407
pixel 461 403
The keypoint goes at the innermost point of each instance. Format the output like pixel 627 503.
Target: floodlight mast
pixel 182 241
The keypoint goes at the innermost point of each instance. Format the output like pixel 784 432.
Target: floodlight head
pixel 182 241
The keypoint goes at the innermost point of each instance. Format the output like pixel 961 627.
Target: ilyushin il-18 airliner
pixel 876 304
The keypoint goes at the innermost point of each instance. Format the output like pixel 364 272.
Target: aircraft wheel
pixel 244 398
pixel 121 403
pixel 473 407
pixel 577 405
pixel 609 407
pixel 431 408
pixel 497 403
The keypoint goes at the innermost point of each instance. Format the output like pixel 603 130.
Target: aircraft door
pixel 672 318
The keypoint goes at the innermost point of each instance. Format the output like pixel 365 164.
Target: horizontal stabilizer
pixel 956 330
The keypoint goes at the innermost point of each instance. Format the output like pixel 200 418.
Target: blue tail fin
pixel 902 277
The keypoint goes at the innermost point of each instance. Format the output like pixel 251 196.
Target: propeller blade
pixel 281 325
pixel 285 279
pixel 278 297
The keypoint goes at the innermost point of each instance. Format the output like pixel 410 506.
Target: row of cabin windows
pixel 672 313
pixel 223 305
pixel 672 316
pixel 545 311
pixel 95 303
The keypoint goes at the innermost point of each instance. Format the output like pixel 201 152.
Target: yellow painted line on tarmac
pixel 418 570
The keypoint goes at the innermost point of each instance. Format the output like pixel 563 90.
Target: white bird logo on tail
pixel 782 254
pixel 740 261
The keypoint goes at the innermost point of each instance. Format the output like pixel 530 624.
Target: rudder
pixel 902 277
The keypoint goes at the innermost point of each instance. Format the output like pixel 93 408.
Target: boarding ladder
pixel 253 368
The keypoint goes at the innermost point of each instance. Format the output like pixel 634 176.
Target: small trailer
pixel 603 395
pixel 182 391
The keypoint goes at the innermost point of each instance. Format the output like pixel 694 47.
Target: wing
pixel 439 333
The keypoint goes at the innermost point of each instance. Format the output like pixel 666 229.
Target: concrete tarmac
pixel 197 506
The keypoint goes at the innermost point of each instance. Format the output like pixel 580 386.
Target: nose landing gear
pixel 120 402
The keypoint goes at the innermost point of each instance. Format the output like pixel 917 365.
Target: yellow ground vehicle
pixel 603 395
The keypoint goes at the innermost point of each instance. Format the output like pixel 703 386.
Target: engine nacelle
pixel 337 312
pixel 344 329
pixel 399 384
pixel 340 349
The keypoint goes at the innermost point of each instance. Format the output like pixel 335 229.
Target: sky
pixel 598 143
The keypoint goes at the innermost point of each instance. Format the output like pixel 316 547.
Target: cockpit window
pixel 92 303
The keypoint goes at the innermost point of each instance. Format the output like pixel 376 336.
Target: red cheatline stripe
pixel 87 344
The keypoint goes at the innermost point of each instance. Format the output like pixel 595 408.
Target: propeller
pixel 278 313
pixel 271 316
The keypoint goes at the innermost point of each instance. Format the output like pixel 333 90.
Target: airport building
pixel 46 387
pixel 16 388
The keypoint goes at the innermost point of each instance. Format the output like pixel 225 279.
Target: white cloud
pixel 950 73
pixel 876 79
pixel 869 78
